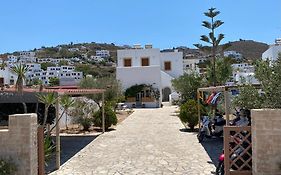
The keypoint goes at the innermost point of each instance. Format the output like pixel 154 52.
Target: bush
pixel 110 117
pixel 49 149
pixel 7 167
pixel 85 122
pixel 188 114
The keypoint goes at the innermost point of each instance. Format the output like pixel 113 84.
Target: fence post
pixel 41 156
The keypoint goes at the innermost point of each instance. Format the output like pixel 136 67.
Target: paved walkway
pixel 148 142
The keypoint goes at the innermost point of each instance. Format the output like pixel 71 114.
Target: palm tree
pixel 66 103
pixel 20 70
pixel 48 99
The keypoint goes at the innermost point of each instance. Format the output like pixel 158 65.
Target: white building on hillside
pixel 151 67
pixel 244 73
pixel 27 54
pixel 233 54
pixel 272 52
pixel 190 65
pixel 96 58
pixel 12 59
pixel 66 74
pixel 103 53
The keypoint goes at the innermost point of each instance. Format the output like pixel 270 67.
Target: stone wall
pixel 19 142
pixel 266 141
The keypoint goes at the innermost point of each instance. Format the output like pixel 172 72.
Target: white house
pixel 233 54
pixel 12 58
pixel 103 53
pixel 151 67
pixel 96 58
pixel 244 73
pixel 243 77
pixel 10 77
pixel 191 65
pixel 66 74
pixel 272 52
pixel 27 54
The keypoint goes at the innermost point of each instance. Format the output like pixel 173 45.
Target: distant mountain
pixel 250 49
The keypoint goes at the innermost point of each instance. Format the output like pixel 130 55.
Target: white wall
pixel 139 75
pixel 137 54
pixel 272 52
pixel 8 75
pixel 176 59
pixel 166 80
pixel 242 77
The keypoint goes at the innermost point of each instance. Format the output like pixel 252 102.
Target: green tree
pixel 66 102
pixel 54 81
pixel 3 65
pixel 63 63
pixel 20 70
pixel 36 81
pixel 44 66
pixel 48 99
pixel 223 71
pixel 113 92
pixel 188 114
pixel 248 98
pixel 110 117
pixel 187 85
pixel 269 75
pixel 211 39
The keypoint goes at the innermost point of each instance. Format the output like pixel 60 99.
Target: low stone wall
pixel 19 142
pixel 266 141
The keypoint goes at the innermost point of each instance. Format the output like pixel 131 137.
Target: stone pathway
pixel 148 142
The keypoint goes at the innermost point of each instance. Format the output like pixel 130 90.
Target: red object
pixel 221 157
pixel 209 99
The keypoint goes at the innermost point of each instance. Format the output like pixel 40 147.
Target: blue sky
pixel 28 24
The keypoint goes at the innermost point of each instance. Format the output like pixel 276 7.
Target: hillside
pixel 249 49
pixel 62 51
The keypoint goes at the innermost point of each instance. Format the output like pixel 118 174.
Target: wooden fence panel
pixel 237 150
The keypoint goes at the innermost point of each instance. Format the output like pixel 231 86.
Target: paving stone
pixel 147 142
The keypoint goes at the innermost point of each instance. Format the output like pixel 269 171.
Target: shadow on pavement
pixel 189 130
pixel 70 145
pixel 214 148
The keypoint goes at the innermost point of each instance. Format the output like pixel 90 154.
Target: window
pixel 147 93
pixel 144 61
pixel 127 62
pixel 167 65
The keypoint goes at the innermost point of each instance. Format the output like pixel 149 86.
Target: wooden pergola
pixel 225 91
pixel 28 96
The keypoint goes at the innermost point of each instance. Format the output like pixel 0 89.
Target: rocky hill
pixel 248 48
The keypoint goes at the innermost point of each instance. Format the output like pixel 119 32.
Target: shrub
pixel 85 122
pixel 110 117
pixel 49 148
pixel 188 114
pixel 82 112
pixel 248 98
pixel 7 167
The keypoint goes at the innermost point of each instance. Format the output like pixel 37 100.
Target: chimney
pixel 278 41
pixel 148 46
pixel 137 46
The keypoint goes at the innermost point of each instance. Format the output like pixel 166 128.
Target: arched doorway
pixel 166 92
